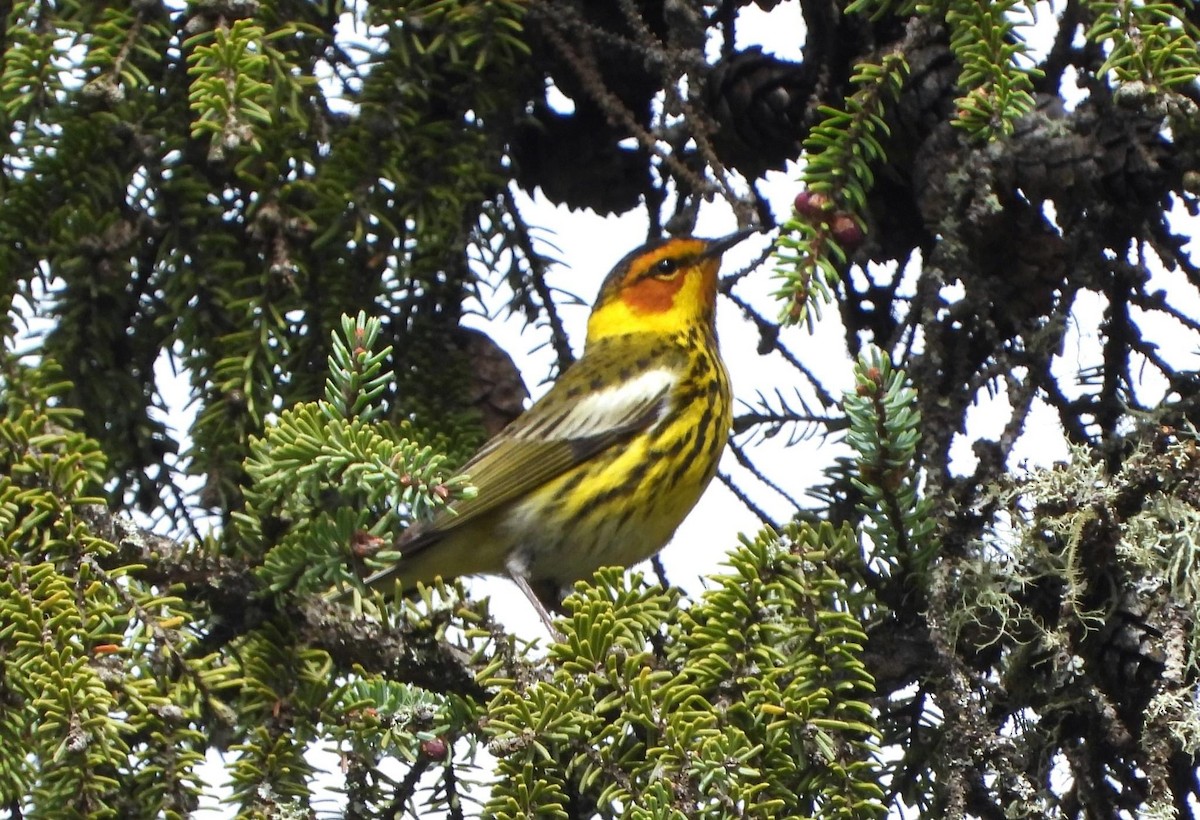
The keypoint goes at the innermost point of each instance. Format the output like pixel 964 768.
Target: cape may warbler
pixel 603 468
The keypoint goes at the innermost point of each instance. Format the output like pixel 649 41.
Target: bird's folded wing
pixel 555 435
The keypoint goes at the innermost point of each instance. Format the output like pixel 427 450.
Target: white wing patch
pixel 610 408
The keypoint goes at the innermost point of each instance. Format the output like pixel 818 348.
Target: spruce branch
pixel 1152 43
pixel 837 176
pixel 753 704
pixel 885 428
pixel 340 480
pixel 356 377
pixel 988 45
pixel 230 96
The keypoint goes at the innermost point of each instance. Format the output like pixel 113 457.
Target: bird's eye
pixel 665 267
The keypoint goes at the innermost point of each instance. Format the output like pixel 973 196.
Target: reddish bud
pixel 811 205
pixel 363 543
pixel 105 649
pixel 846 231
pixel 441 491
pixel 435 748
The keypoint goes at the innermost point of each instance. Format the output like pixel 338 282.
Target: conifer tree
pixel 291 202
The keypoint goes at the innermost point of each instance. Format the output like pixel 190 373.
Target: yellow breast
pixel 623 505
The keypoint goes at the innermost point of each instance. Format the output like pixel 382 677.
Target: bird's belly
pixel 616 509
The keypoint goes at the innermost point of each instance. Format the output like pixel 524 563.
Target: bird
pixel 602 469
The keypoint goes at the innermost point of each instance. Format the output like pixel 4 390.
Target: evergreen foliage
pixel 105 688
pixel 842 150
pixel 990 49
pixel 748 702
pixel 293 204
pixel 885 429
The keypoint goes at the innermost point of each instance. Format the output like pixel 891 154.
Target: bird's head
pixel 663 286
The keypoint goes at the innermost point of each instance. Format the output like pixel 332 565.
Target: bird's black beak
pixel 716 247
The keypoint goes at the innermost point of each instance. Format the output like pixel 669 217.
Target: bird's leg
pixel 518 577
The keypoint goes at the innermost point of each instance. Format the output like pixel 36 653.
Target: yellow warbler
pixel 603 468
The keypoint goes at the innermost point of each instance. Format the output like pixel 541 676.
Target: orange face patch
pixel 652 294
pixel 647 289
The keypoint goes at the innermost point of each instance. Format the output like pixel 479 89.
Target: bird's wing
pixel 587 410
